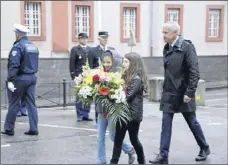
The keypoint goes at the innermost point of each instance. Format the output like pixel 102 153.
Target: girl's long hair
pixel 136 67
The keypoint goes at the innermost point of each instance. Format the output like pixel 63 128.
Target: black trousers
pixel 96 116
pixel 190 118
pixel 133 130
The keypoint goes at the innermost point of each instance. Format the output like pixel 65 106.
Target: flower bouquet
pixel 107 87
pixel 111 95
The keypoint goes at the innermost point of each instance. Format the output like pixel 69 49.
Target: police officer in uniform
pixel 21 81
pixel 96 52
pixel 78 58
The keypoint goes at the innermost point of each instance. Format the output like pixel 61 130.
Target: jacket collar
pixel 177 44
pixel 82 46
pixel 106 47
pixel 22 38
pixel 175 41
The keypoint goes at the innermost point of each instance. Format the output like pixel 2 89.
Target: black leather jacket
pixel 135 98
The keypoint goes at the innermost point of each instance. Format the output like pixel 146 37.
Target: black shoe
pixel 24 114
pixel 159 160
pixel 79 120
pixel 87 119
pixel 203 154
pixel 31 133
pixel 19 115
pixel 7 132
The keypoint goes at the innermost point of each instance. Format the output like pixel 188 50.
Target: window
pixel 213 29
pixel 82 19
pixel 214 24
pixel 129 21
pixel 174 13
pixel 33 16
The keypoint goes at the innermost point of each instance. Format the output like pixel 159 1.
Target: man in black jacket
pixel 78 58
pixel 96 52
pixel 181 79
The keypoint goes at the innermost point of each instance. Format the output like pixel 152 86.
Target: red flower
pixel 104 91
pixel 96 78
pixel 104 114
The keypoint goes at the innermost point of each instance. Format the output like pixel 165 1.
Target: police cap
pixel 103 34
pixel 82 35
pixel 21 29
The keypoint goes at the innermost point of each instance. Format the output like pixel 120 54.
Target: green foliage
pixel 115 112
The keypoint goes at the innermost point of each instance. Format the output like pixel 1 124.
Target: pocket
pixel 167 97
pixel 174 100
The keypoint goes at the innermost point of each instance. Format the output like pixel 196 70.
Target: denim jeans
pixel 102 125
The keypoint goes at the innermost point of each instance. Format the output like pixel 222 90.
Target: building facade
pixel 54 26
pixel 202 22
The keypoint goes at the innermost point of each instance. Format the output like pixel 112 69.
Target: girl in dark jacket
pixel 135 83
pixel 111 62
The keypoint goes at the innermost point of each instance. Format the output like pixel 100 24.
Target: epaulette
pixel 189 41
pixel 111 48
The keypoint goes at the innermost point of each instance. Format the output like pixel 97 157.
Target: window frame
pixel 42 37
pixel 181 10
pixel 221 23
pixel 137 22
pixel 90 4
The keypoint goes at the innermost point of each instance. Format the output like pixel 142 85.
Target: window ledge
pixel 75 39
pixel 37 38
pixel 214 39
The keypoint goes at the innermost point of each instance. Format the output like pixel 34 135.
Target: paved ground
pixel 62 140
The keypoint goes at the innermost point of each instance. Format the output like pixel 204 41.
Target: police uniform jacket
pixel 23 59
pixel 95 55
pixel 78 58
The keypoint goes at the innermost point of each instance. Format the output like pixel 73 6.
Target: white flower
pixel 118 101
pixel 119 96
pixel 78 80
pixel 95 71
pixel 112 96
pixel 83 74
pixel 85 91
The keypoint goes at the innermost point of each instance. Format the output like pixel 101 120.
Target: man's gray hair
pixel 172 27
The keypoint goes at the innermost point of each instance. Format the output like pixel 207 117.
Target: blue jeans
pixel 102 125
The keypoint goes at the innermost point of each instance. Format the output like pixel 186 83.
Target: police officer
pixel 21 80
pixel 78 58
pixel 96 52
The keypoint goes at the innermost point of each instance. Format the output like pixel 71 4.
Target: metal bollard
pixel 64 92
